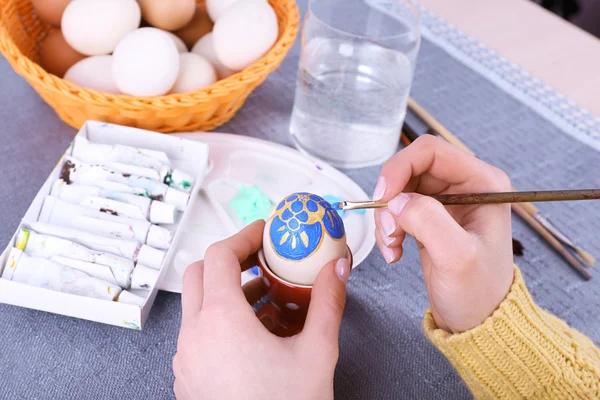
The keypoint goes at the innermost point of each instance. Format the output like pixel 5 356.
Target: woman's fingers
pixel 192 291
pixel 396 238
pixel 426 219
pixel 390 254
pixel 439 165
pixel 222 281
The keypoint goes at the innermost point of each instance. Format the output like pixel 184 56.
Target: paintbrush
pixel 434 127
pixel 487 198
pixel 415 126
pixel 504 197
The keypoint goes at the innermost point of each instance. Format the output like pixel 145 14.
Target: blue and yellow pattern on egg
pixel 300 223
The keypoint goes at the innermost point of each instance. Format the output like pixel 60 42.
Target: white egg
pixel 181 47
pixel 245 33
pixel 146 63
pixel 216 8
pixel 93 73
pixel 205 48
pixel 95 27
pixel 304 234
pixel 194 73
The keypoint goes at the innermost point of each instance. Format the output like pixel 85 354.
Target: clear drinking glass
pixel 356 69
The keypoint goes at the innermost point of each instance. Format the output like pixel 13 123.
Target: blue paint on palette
pixel 300 223
pixel 254 270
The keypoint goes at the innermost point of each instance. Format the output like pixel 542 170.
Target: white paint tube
pixel 157 212
pixel 57 212
pixel 119 247
pixel 124 248
pixel 47 274
pixel 131 160
pixel 126 297
pixel 143 277
pixel 76 171
pixel 114 269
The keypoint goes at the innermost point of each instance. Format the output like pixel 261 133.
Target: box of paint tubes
pixel 98 237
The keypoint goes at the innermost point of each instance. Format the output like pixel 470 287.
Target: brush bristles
pixel 586 257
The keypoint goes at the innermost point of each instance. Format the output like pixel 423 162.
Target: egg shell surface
pixel 216 8
pixel 200 25
pixel 168 14
pixel 94 73
pixel 50 11
pixel 245 33
pixel 181 47
pixel 194 73
pixel 204 47
pixel 56 56
pixel 302 236
pixel 95 27
pixel 146 63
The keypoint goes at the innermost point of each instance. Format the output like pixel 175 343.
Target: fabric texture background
pixel 383 352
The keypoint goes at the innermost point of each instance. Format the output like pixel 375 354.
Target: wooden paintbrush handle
pixel 517 197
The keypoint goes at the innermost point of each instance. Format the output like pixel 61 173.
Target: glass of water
pixel 356 69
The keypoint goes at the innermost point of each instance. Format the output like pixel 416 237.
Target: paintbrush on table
pixel 418 121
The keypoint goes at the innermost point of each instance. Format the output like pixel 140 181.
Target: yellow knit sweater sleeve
pixel 521 351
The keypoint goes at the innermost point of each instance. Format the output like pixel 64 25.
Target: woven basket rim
pixel 210 93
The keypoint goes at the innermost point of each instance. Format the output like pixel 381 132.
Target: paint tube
pixel 57 212
pixel 116 269
pixel 76 171
pixel 144 277
pixel 47 274
pixel 125 159
pixel 127 297
pixel 124 248
pixel 157 212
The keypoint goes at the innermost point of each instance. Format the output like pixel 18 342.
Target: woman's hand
pixel 466 251
pixel 225 352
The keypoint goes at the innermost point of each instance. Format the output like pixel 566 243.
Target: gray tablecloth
pixel 383 353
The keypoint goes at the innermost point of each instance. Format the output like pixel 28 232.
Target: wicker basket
pixel 21 30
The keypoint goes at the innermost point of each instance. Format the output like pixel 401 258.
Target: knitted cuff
pixel 521 351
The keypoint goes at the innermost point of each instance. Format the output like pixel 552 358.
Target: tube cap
pixel 159 237
pixel 182 181
pixel 176 197
pixel 22 239
pixel 150 256
pixel 162 213
pixel 127 297
pixel 143 277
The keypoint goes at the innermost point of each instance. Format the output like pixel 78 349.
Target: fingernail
pixel 396 205
pixel 388 223
pixel 388 254
pixel 386 239
pixel 342 270
pixel 379 189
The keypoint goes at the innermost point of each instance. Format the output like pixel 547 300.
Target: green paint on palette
pixel 251 204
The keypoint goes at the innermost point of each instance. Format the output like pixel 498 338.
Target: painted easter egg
pixel 302 236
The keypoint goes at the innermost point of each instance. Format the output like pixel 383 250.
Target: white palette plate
pixel 278 171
